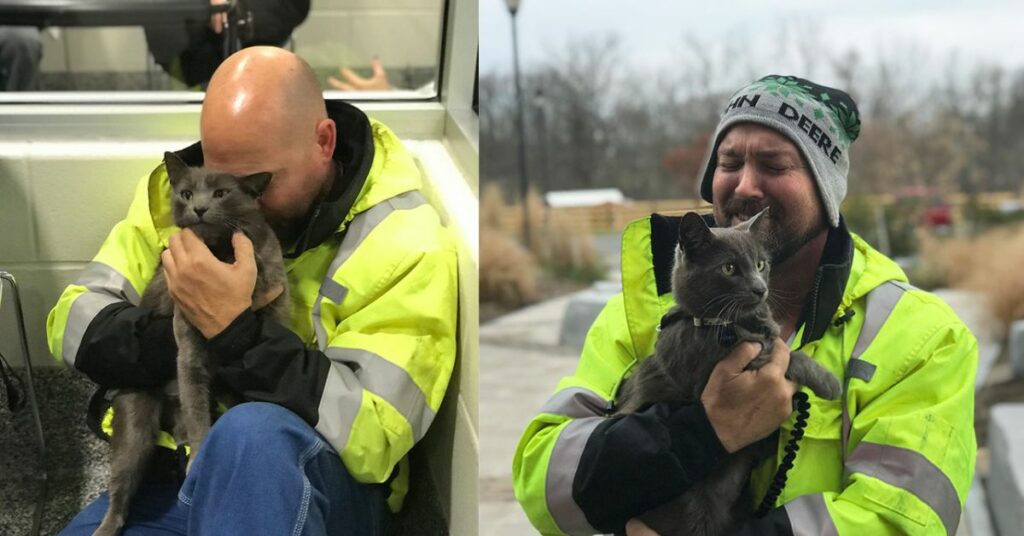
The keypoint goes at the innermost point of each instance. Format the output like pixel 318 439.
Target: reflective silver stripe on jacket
pixel 575 402
pixel 808 516
pixel 880 304
pixel 339 405
pixel 352 370
pixel 358 229
pixel 911 471
pixel 562 466
pixel 104 286
pixel 384 379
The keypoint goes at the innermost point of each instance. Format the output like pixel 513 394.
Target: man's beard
pixel 780 240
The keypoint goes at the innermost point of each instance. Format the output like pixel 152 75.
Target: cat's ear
pixel 757 224
pixel 255 184
pixel 694 234
pixel 176 167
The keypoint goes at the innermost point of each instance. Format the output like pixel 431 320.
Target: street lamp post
pixel 540 102
pixel 513 8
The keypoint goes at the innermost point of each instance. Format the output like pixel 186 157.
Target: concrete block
pixel 17 236
pixel 976 521
pixel 583 309
pixel 1006 472
pixel 1016 348
pixel 988 354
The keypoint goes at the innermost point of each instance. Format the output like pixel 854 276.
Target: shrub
pixel 989 264
pixel 508 273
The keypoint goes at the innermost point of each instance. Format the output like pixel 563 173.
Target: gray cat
pixel 213 205
pixel 721 278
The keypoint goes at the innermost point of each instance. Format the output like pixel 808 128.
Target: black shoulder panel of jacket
pixel 775 523
pixel 831 279
pixel 128 346
pixel 635 462
pixel 664 239
pixel 263 361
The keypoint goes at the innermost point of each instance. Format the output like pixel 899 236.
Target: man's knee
pixel 259 426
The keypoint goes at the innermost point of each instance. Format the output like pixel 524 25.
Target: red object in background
pixel 935 212
pixel 937 216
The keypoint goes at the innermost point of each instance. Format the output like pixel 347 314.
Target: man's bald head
pixel 262 91
pixel 264 111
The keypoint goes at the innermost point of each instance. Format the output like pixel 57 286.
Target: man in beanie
pixel 894 454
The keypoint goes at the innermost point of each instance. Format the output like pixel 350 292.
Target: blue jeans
pixel 261 470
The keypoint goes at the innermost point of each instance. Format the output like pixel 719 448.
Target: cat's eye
pixel 219 192
pixel 728 269
pixel 186 194
pixel 761 265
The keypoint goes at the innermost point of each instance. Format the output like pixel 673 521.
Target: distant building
pixel 584 198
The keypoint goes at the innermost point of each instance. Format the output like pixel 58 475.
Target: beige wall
pixel 55 210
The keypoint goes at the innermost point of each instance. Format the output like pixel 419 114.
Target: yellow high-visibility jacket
pixel 370 346
pixel 894 455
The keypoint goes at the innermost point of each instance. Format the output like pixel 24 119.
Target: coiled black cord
pixel 779 482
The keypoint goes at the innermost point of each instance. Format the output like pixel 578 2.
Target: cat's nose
pixel 759 292
pixel 200 212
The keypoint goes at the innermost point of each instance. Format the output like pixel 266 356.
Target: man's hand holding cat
pixel 210 293
pixel 747 405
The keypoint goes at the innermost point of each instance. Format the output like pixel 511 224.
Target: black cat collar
pixel 675 316
pixel 726 335
pixel 702 322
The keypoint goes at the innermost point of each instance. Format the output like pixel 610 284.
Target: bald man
pixel 336 398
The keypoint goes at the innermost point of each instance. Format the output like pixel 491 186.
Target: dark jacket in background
pixel 198 50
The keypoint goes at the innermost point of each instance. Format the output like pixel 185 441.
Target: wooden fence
pixel 612 218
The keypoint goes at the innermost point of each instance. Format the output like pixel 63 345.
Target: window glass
pixel 375 49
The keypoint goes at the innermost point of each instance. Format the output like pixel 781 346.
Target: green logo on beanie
pixel 824 100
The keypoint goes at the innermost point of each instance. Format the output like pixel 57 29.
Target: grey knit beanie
pixel 821 121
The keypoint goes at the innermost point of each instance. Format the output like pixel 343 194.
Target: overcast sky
pixel 650 32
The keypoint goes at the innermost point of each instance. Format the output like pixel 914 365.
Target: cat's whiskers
pixel 726 313
pixel 783 298
pixel 712 303
pixel 774 302
pixel 783 293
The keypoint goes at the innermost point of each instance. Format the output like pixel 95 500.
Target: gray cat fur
pixel 186 401
pixel 685 355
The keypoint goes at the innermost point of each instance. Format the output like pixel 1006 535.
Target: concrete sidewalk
pixel 520 365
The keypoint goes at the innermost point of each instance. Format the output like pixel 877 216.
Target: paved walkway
pixel 520 365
